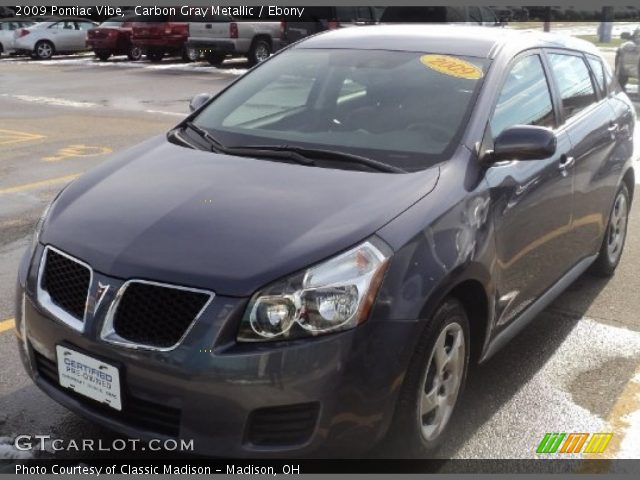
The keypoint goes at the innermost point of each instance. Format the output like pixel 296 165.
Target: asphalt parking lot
pixel 575 369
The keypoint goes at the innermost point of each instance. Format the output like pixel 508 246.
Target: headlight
pixel 332 296
pixel 37 231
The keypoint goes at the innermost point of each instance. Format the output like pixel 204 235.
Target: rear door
pixel 589 121
pixel 532 199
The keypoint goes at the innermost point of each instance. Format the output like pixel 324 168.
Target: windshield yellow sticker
pixel 452 66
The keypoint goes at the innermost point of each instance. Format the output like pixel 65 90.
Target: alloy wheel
pixel 44 50
pixel 617 228
pixel 262 52
pixel 442 381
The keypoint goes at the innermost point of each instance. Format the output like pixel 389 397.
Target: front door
pixel 532 199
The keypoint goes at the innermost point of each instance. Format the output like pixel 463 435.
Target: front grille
pixel 282 426
pixel 138 413
pixel 67 283
pixel 156 315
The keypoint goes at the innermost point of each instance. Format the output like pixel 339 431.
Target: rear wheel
pixel 43 50
pixel 135 53
pixel 260 50
pixel 189 54
pixel 433 382
pixel 155 55
pixel 215 59
pixel 103 55
pixel 614 237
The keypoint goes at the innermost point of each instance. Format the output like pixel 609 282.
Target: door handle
pixel 566 163
pixel 613 127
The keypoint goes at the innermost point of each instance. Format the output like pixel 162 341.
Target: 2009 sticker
pixel 452 66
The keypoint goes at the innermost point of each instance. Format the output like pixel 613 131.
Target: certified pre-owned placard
pixel 89 377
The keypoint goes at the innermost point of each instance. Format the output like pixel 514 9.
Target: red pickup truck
pixel 113 37
pixel 162 35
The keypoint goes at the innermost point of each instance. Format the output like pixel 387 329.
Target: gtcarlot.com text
pixel 46 442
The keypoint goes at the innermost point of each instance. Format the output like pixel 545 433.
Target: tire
pixel 43 50
pixel 189 54
pixel 1 49
pixel 615 235
pixel 135 53
pixel 419 423
pixel 103 55
pixel 259 51
pixel 215 59
pixel 622 78
pixel 155 56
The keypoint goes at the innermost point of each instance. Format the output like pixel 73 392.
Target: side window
pixel 84 25
pixel 488 17
pixel 474 15
pixel 454 14
pixel 525 98
pixel 346 14
pixel 598 72
pixel 57 26
pixel 612 83
pixel 365 14
pixel 574 83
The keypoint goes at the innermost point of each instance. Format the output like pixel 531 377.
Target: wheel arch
pixel 471 287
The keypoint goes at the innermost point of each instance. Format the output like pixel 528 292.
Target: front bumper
pixel 211 387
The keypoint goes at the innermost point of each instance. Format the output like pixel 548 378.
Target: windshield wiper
pixel 217 146
pixel 317 153
pixel 215 143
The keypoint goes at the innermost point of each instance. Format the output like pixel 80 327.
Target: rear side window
pixel 598 72
pixel 574 83
pixel 525 98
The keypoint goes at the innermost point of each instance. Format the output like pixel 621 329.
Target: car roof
pixel 473 41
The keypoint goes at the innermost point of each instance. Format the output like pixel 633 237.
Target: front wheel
pixel 615 236
pixel 434 380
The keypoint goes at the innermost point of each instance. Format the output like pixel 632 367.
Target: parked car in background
pixel 162 35
pixel 113 37
pixel 470 15
pixel 46 39
pixel 319 19
pixel 628 57
pixel 7 27
pixel 221 36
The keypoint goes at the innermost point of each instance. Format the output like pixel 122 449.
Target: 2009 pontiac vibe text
pixel 309 262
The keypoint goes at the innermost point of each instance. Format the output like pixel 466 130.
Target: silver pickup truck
pixel 221 36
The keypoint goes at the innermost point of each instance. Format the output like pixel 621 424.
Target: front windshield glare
pixel 406 109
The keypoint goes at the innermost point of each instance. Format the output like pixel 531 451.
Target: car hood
pixel 229 224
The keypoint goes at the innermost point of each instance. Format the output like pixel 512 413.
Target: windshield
pixel 406 109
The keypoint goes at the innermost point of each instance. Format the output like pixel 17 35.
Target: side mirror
pixel 523 142
pixel 199 100
pixel 625 36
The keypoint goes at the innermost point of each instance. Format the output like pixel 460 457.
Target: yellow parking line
pixel 40 183
pixel 8 137
pixel 7 325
